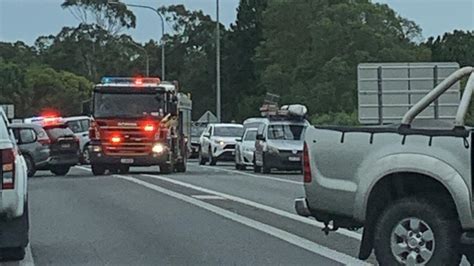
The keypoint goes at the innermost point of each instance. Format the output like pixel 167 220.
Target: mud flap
pixel 367 243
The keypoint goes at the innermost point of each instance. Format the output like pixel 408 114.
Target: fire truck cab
pixel 137 122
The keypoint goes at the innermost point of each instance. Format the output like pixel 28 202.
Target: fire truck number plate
pixel 126 160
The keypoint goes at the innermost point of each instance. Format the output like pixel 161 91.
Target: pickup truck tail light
pixel 8 168
pixel 306 165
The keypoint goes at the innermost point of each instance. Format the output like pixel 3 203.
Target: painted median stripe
pixel 254 175
pixel 270 230
pixel 208 197
pixel 257 205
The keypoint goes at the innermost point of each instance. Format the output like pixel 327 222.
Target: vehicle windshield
pixel 251 135
pixel 285 132
pixel 125 105
pixel 197 131
pixel 228 131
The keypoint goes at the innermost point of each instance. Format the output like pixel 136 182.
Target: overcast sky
pixel 25 20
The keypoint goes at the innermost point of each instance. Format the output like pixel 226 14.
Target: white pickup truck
pixel 410 186
pixel 14 222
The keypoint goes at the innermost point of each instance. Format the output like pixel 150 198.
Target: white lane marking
pixel 270 230
pixel 208 197
pixel 28 260
pixel 286 214
pixel 257 205
pixel 253 175
pixel 83 168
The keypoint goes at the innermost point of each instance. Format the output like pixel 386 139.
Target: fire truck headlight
pixel 158 148
pixel 96 149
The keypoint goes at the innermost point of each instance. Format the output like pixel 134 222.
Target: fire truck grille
pixel 133 142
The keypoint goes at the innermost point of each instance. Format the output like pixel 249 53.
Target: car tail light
pixel 306 165
pixel 8 168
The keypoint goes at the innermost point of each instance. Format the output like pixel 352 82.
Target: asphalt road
pixel 207 216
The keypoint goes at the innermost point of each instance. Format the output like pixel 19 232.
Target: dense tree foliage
pixel 307 51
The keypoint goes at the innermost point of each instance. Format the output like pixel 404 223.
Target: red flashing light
pixel 149 127
pixel 138 81
pixel 116 139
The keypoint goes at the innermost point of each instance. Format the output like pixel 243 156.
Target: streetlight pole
pixel 146 57
pixel 163 77
pixel 218 65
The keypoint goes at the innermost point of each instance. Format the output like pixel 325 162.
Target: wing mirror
pixel 238 139
pixel 260 137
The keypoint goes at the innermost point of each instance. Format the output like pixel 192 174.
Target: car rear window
pixel 58 131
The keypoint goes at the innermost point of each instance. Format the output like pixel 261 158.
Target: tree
pixel 242 96
pixel 90 51
pixel 112 18
pixel 191 55
pixel 37 87
pixel 311 49
pixel 456 46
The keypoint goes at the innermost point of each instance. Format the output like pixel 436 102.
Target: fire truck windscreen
pixel 126 105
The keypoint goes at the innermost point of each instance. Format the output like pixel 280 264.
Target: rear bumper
pixel 301 207
pixel 282 161
pixel 64 159
pixel 152 159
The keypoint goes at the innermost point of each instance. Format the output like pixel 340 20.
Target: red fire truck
pixel 139 122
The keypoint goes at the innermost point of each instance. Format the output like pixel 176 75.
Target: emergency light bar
pixel 134 81
pixel 45 121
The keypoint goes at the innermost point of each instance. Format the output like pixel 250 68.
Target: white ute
pixel 14 222
pixel 410 186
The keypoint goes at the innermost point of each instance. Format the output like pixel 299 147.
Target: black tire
pixel 181 166
pixel 256 168
pixel 445 231
pixel 60 170
pixel 166 168
pixel 213 161
pixel 202 160
pixel 85 156
pixel 98 169
pixel 265 168
pixel 18 253
pixel 12 254
pixel 30 165
pixel 124 169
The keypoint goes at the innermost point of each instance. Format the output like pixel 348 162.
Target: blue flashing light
pixel 129 80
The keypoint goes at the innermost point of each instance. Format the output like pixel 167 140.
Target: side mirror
pixel 238 139
pixel 206 135
pixel 260 137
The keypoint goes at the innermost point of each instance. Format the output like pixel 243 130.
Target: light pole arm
pixel 146 57
pixel 162 41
